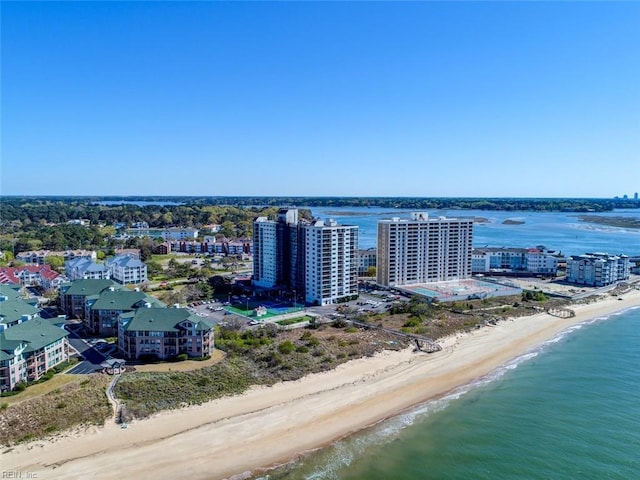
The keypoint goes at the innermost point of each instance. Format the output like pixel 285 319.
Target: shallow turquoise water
pixel 568 410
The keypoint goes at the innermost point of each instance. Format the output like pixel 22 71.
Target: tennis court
pixel 455 290
pixel 262 310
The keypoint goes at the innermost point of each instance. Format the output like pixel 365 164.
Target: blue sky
pixel 454 99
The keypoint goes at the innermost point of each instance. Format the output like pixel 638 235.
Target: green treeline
pixel 32 223
pixel 28 223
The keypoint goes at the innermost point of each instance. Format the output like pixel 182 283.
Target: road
pixel 92 358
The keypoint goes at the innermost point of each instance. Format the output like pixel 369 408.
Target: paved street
pixel 91 357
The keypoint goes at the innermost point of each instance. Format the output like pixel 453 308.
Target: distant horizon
pixel 111 196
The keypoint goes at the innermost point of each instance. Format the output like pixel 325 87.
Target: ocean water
pixel 562 231
pixel 570 409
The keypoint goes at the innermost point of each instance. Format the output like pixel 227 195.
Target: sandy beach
pixel 267 426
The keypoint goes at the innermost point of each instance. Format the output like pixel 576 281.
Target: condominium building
pixel 423 249
pixel 14 309
pixel 163 333
pixel 597 269
pixel 366 259
pixel 265 252
pixel 74 296
pixel 532 261
pixel 331 262
pixel 103 309
pixel 278 251
pixel 86 268
pixel 316 260
pixel 28 350
pixel 126 269
pixel 38 257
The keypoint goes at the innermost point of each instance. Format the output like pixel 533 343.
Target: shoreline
pixel 267 427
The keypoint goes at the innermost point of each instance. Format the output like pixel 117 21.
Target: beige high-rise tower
pixel 422 249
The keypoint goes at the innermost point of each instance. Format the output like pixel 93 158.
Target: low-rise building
pixel 127 270
pixel 79 268
pixel 14 309
pixel 74 295
pixel 164 333
pixel 31 276
pixel 38 257
pixel 104 309
pixel 221 246
pixel 521 261
pixel 597 269
pixel 28 350
pixel 366 260
pixel 166 234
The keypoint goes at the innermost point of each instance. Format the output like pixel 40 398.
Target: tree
pixel 56 262
pixel 371 271
pixel 228 229
pixel 6 257
pixel 154 269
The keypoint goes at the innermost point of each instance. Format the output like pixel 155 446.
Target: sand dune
pixel 269 425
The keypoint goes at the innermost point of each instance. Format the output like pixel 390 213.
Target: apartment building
pixel 265 253
pixel 104 309
pixel 331 262
pixel 278 251
pixel 31 276
pixel 421 249
pixel 14 309
pixel 366 259
pixel 74 295
pixel 28 350
pixel 597 269
pixel 38 257
pixel 316 260
pixel 526 261
pixel 127 270
pixel 164 333
pixel 80 268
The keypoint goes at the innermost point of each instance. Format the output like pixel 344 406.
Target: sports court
pixel 249 309
pixel 456 290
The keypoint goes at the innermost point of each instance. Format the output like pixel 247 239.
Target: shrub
pixel 412 322
pixel 20 387
pixel 181 357
pixel 302 349
pixel 286 347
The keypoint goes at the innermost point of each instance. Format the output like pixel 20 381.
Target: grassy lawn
pixel 163 259
pixel 185 366
pixel 40 389
pixel 291 321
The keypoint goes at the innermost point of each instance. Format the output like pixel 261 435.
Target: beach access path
pixel 267 426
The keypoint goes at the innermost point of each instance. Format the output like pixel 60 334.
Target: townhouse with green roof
pixel 28 350
pixel 73 296
pixel 163 333
pixel 105 308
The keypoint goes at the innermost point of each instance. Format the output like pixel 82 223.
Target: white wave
pixel 342 453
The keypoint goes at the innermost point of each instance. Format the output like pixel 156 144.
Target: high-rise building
pixel 316 260
pixel 331 262
pixel 265 251
pixel 422 249
pixel 277 250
